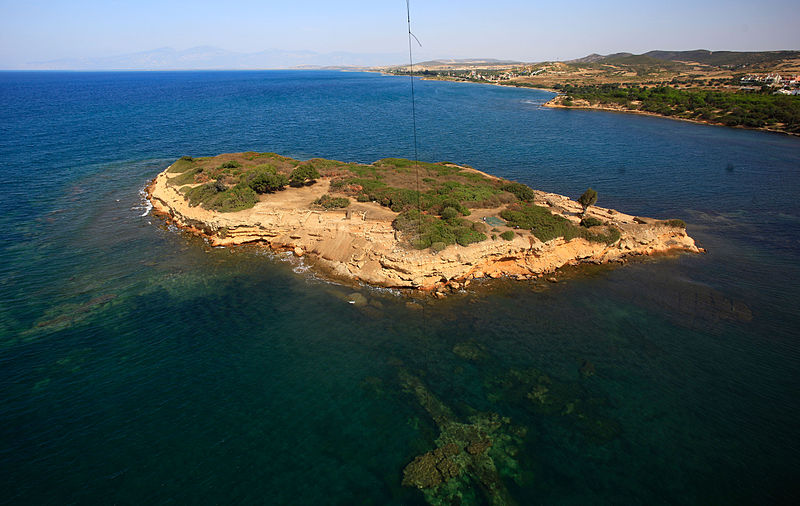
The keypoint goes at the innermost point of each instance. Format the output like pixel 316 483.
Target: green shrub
pixel 265 181
pixel 220 186
pixel 519 190
pixel 425 230
pixel 588 198
pixel 231 164
pixel 449 213
pixel 329 202
pixel 508 235
pixel 479 226
pixel 438 246
pixel 236 199
pixel 264 167
pixel 201 194
pixel 212 198
pixel 304 173
pixel 590 222
pixel 183 164
pixel 675 223
pixel 546 225
pixel 466 236
pixel 612 235
pixel 187 177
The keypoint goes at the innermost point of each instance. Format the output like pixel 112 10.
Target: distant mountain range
pixel 214 58
pixel 468 61
pixel 714 58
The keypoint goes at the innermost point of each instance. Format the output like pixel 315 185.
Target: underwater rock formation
pixel 469 457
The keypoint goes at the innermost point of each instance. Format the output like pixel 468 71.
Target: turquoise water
pixel 138 365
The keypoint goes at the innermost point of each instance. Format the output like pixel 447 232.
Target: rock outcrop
pixel 360 244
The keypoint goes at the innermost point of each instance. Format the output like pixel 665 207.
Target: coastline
pixel 360 245
pixel 553 103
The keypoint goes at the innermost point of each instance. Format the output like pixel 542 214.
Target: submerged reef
pixel 470 459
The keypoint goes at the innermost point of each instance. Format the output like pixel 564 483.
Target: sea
pixel 140 365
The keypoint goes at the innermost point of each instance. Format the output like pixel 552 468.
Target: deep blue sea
pixel 140 366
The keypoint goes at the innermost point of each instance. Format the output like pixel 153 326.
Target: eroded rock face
pixel 360 244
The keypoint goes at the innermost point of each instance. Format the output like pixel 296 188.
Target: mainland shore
pixel 557 103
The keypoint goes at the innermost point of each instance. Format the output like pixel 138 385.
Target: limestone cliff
pixel 360 244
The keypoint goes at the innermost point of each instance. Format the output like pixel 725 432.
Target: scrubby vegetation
pixel 521 191
pixel 546 226
pixel 590 222
pixel 675 223
pixel 329 202
pixel 748 109
pixel 432 200
pixel 265 179
pixel 303 174
pixel 216 197
pixel 426 230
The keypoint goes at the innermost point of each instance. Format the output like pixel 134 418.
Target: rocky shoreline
pixel 359 244
pixel 556 103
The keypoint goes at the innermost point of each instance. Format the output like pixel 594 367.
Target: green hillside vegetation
pixel 432 200
pixel 754 110
pixel 730 59
pixel 546 226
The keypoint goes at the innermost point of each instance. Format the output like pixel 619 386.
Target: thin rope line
pixel 414 117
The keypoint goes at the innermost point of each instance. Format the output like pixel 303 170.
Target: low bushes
pixel 182 165
pixel 521 191
pixel 187 177
pixel 546 226
pixel 214 197
pixel 675 223
pixel 426 230
pixel 590 222
pixel 304 173
pixel 265 179
pixel 328 202
pixel 508 235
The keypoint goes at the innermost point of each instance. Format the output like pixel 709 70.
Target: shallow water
pixel 138 364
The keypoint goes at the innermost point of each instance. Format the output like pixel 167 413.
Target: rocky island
pixel 397 223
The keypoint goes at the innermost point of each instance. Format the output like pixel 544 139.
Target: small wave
pixel 143 204
pixel 300 268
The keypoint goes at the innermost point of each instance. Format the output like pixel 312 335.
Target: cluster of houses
pixel 505 76
pixel 788 85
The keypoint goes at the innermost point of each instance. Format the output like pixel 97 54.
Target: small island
pixel 398 223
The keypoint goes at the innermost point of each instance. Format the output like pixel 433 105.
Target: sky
pixel 37 30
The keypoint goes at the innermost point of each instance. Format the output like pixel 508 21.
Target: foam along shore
pixel 359 242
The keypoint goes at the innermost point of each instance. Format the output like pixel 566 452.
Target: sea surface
pixel 138 365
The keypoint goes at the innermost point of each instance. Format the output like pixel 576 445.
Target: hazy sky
pixel 36 30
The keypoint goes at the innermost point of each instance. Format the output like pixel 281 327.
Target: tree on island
pixel 302 174
pixel 267 182
pixel 588 198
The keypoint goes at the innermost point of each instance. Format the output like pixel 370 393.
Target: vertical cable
pixel 414 118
